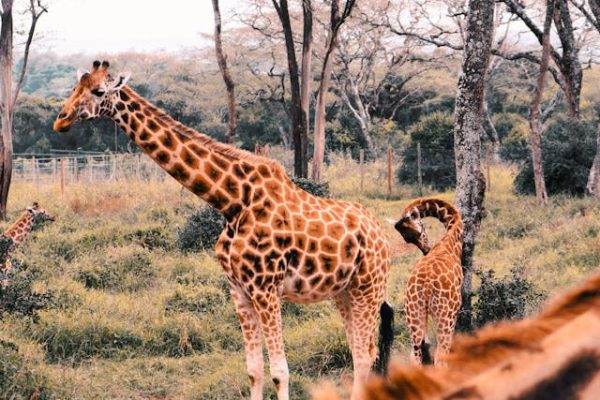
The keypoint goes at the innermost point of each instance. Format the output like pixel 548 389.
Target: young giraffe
pixel 18 232
pixel 434 285
pixel 279 241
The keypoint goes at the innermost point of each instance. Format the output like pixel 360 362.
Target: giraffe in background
pixel 279 242
pixel 434 285
pixel 18 232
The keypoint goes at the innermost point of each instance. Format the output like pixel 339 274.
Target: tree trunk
pixel 319 145
pixel 229 84
pixel 468 125
pixel 594 176
pixel 306 73
pixel 299 127
pixel 569 65
pixel 535 125
pixel 336 22
pixel 6 106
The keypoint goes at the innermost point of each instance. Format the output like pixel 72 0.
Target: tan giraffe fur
pixel 554 355
pixel 18 232
pixel 279 242
pixel 434 285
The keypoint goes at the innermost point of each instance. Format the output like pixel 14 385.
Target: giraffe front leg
pixel 268 307
pixel 250 324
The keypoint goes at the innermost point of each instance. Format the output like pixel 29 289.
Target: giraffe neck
pixel 21 228
pixel 443 211
pixel 223 176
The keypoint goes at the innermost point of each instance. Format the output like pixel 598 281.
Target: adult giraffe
pixel 279 242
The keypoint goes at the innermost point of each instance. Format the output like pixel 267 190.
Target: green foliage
pixel 320 189
pixel 123 269
pixel 505 122
pixel 568 149
pixel 152 237
pixel 515 146
pixel 201 230
pixel 435 132
pixel 18 297
pixel 511 297
pixel 18 380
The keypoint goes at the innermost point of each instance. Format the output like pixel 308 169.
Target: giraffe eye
pixel 98 92
pixel 414 214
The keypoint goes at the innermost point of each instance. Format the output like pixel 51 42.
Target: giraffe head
pixel 411 227
pixel 39 213
pixel 91 97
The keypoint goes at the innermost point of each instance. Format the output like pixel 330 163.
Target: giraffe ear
pixel 120 81
pixel 80 74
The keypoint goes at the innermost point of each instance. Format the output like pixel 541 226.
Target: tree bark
pixel 6 68
pixel 336 21
pixel 306 73
pixel 299 127
pixel 592 187
pixel 594 176
pixel 535 125
pixel 229 83
pixel 468 125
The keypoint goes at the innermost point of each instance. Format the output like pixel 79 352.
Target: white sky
pixel 111 26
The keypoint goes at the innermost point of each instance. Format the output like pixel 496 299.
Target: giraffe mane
pixel 219 147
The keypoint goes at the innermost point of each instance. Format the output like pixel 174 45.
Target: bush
pixel 568 150
pixel 435 132
pixel 18 297
pixel 515 146
pixel 506 122
pixel 320 189
pixel 511 297
pixel 17 379
pixel 125 269
pixel 201 230
pixel 150 238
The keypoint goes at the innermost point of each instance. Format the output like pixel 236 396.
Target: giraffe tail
pixel 426 358
pixel 386 337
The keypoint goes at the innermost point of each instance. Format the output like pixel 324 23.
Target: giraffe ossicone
pixel 434 285
pixel 279 242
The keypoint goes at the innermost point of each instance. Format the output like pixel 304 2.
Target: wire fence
pixel 69 167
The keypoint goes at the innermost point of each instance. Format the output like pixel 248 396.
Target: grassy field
pixel 128 316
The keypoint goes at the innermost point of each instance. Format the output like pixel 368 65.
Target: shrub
pixel 18 297
pixel 515 145
pixel 17 379
pixel 511 297
pixel 320 189
pixel 568 149
pixel 506 122
pixel 201 230
pixel 150 238
pixel 125 269
pixel 435 132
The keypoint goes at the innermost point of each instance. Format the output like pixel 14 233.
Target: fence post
pixel 35 174
pixel 62 176
pixel 361 164
pixel 389 171
pixel 487 163
pixel 419 173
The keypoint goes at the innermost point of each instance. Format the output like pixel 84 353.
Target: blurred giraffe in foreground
pixel 555 355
